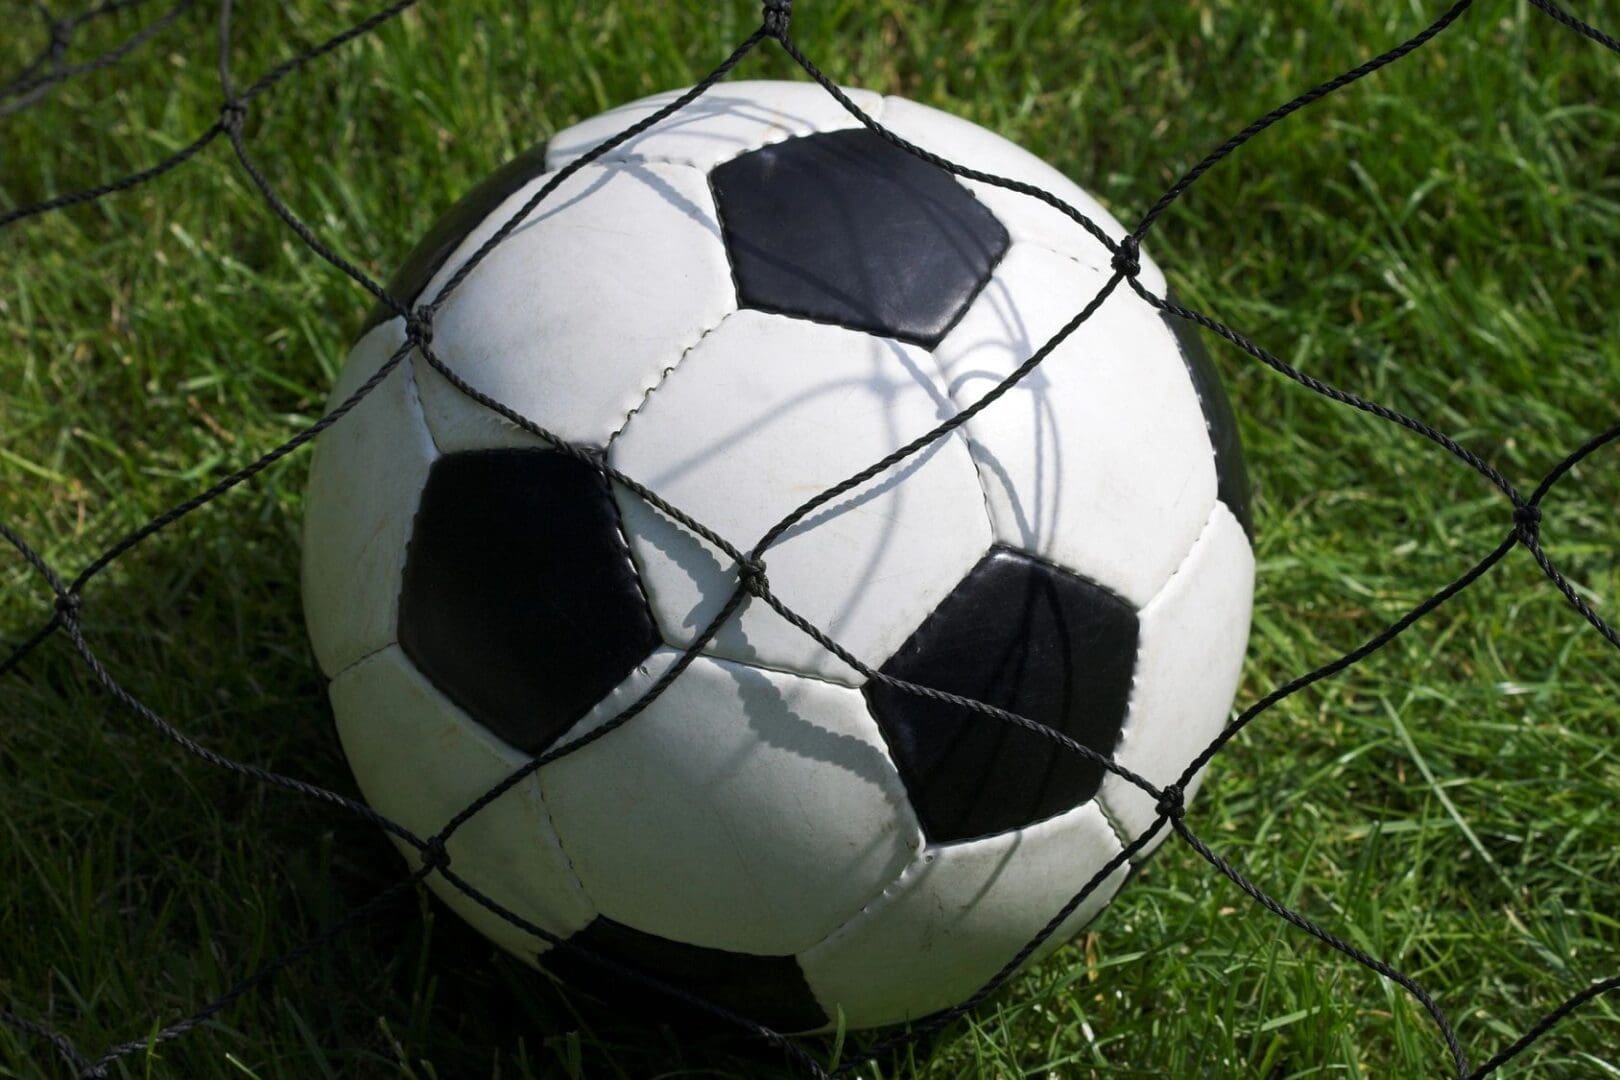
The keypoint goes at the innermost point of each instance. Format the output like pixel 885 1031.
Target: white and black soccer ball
pixel 739 308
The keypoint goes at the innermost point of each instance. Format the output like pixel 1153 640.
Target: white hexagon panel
pixel 526 327
pixel 365 481
pixel 744 810
pixel 959 914
pixel 1100 459
pixel 389 717
pixel 1194 634
pixel 764 413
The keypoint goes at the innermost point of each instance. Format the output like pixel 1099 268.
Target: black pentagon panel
pixel 1027 637
pixel 519 600
pixel 441 241
pixel 1231 476
pixel 768 989
pixel 845 228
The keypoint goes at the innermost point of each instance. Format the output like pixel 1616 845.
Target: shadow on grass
pixel 161 881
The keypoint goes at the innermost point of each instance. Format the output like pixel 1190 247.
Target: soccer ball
pixel 739 308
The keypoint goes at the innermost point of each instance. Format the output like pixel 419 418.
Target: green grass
pixel 1443 237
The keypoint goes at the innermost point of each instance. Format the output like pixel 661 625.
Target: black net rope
pixel 1522 521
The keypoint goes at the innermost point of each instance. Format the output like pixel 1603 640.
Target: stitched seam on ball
pixel 916 847
pixel 758 665
pixel 632 158
pixel 1119 740
pixel 725 239
pixel 622 536
pixel 413 392
pixel 419 413
pixel 978 469
pixel 1136 669
pixel 392 643
pixel 562 848
pixel 919 861
pixel 1209 523
pixel 799 316
pixel 776 136
pixel 967 440
pixel 662 376
pixel 1101 268
pixel 1198 396
pixel 643 583
pixel 1108 816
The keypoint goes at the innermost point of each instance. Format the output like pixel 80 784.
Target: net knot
pixel 752 575
pixel 68 604
pixel 232 115
pixel 419 326
pixel 1527 521
pixel 1127 261
pixel 435 856
pixel 1172 802
pixel 778 13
